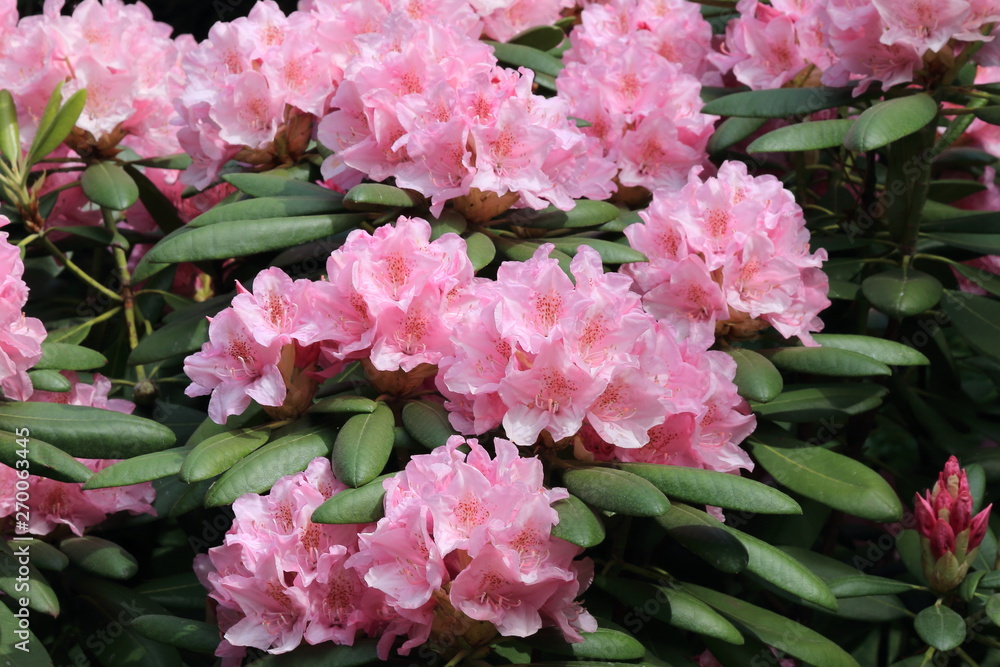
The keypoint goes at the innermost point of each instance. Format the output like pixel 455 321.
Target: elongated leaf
pixel 610 252
pixel 826 361
pixel 177 161
pixel 99 556
pixel 756 378
pixel 54 126
pixel 616 491
pixel 178 591
pixel 779 102
pixel 427 422
pixel 263 208
pixel 980 278
pixel 803 136
pixel 577 523
pixel 363 447
pixel 87 432
pixel 519 55
pixel 377 197
pixel 886 351
pixel 708 541
pixel 65 357
pixel 732 131
pixel 890 120
pixel 325 654
pixel 138 469
pixel 23 650
pixel 902 293
pixel 987 244
pixel 976 318
pixel 10 135
pixel 543 37
pixel 43 555
pixel 106 184
pixel 707 487
pixel 950 190
pixel 585 213
pixel 175 338
pixel 480 249
pixel 828 477
pixel 259 470
pixel 277 184
pixel 940 627
pixel 775 630
pixel 350 405
pixel 811 403
pixel 42 459
pixel 49 380
pixel 360 505
pixel 217 454
pixel 36 589
pixel 180 632
pixel 521 251
pixel 238 238
pixel 604 644
pixel 864 584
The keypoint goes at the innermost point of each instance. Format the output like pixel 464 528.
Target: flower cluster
pixel 53 503
pixel 20 336
pixel 465 548
pixel 538 353
pixel 426 104
pixel 633 74
pixel 729 256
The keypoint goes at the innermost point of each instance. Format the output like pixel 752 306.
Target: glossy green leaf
pixel 180 632
pixel 803 136
pixel 976 318
pixel 43 555
pixel 778 102
pixel 776 630
pixel 177 591
pixel 585 213
pixel 87 432
pixel 157 204
pixel 521 251
pixel 427 422
pixel 604 644
pixel 276 184
pixel 326 654
pixel 707 540
pixel 980 278
pixel 578 524
pixel 49 380
pixel 610 252
pixel 990 580
pixel 756 378
pixel 887 121
pixel 616 491
pixel 950 190
pixel 22 651
pixel 377 197
pixel 106 184
pixel 812 403
pixel 10 135
pixel 480 249
pixel 55 123
pixel 36 589
pixel 65 357
pixel 519 55
pixel 263 208
pixel 360 505
pixel 987 244
pixel 940 627
pixel 887 351
pixel 238 238
pixel 863 584
pixel 344 405
pixel 177 161
pixel 182 336
pixel 543 37
pixel 830 478
pixel 42 459
pixel 825 361
pixel 707 487
pixel 258 471
pixel 992 608
pixel 217 454
pixel 138 469
pixel 99 556
pixel 363 447
pixel 448 222
pixel 732 131
pixel 902 293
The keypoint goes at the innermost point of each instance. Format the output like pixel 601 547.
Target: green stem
pixel 127 296
pixel 965 657
pixel 80 273
pixel 94 320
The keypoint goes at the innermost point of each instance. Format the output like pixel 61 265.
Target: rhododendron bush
pixel 463 333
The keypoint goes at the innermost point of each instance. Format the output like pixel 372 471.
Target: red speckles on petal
pixel 717 222
pixel 342 594
pixel 470 512
pixel 548 309
pixel 283 516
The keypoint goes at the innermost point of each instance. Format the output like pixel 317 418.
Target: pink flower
pixel 20 336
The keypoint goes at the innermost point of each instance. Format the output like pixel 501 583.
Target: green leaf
pixel 178 591
pixel 55 123
pixel 522 251
pixel 862 584
pixel 577 523
pixel 519 55
pixel 448 222
pixel 325 654
pixel 43 555
pixel 177 162
pixel 990 580
pixel 49 380
pixel 779 102
pixel 902 292
pixel 986 244
pixel 976 318
pixel 276 184
pixel 99 556
pixel 776 630
pixel 825 361
pixel 217 454
pixel 756 378
pixel 708 541
pixel 363 447
pixel 993 608
pixel 157 204
pixel 182 336
pixel 43 459
pixel 106 184
pixel 887 121
pixel 427 422
pixel 543 38
pixel 616 491
pixel 604 644
pixel 830 478
pixel 980 278
pixel 940 627
pixel 480 249
pixel 10 135
pixel 36 589
pixel 360 505
pixel 180 632
pixel 610 252
pixel 263 208
pixel 803 136
pixel 259 470
pixel 689 613
pixel 348 404
pixel 87 432
pixel 732 131
pixel 66 357
pixel 812 403
pixel 138 469
pixel 11 653
pixel 706 487
pixel 585 213
pixel 377 197
pixel 886 351
pixel 950 190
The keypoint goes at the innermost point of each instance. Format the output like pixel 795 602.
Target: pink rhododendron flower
pixel 20 336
